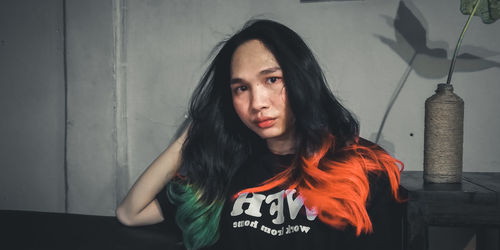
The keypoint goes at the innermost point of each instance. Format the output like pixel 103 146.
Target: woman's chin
pixel 266 133
pixel 270 133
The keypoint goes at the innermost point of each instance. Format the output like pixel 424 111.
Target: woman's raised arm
pixel 140 207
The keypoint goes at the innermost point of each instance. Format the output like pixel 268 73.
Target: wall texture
pixel 91 85
pixel 32 105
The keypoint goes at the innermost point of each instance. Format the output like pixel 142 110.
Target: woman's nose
pixel 260 98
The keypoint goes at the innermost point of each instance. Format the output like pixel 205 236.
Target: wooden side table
pixel 474 202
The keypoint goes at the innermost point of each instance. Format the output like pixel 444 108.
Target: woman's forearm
pixel 139 207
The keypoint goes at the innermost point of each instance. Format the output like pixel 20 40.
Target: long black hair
pixel 218 142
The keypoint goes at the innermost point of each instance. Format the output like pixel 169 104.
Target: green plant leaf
pixel 488 10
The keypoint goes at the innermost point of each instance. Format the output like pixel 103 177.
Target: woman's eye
pixel 240 89
pixel 272 79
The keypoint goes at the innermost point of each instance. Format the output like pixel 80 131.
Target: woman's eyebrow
pixel 262 72
pixel 269 70
pixel 235 80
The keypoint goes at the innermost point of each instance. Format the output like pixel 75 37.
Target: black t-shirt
pixel 277 219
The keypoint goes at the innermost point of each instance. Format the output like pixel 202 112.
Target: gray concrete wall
pixel 91 143
pixel 31 105
pixel 32 98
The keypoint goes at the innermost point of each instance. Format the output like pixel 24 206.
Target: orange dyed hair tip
pixel 337 185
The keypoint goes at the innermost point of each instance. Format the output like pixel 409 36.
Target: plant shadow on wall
pixel 427 58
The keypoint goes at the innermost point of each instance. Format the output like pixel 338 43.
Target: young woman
pixel 270 159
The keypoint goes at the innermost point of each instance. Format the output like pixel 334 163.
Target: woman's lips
pixel 266 123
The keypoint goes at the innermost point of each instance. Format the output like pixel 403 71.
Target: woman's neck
pixel 281 146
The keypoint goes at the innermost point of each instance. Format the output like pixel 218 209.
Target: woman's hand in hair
pixel 140 207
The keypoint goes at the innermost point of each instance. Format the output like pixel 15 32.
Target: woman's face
pixel 259 94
